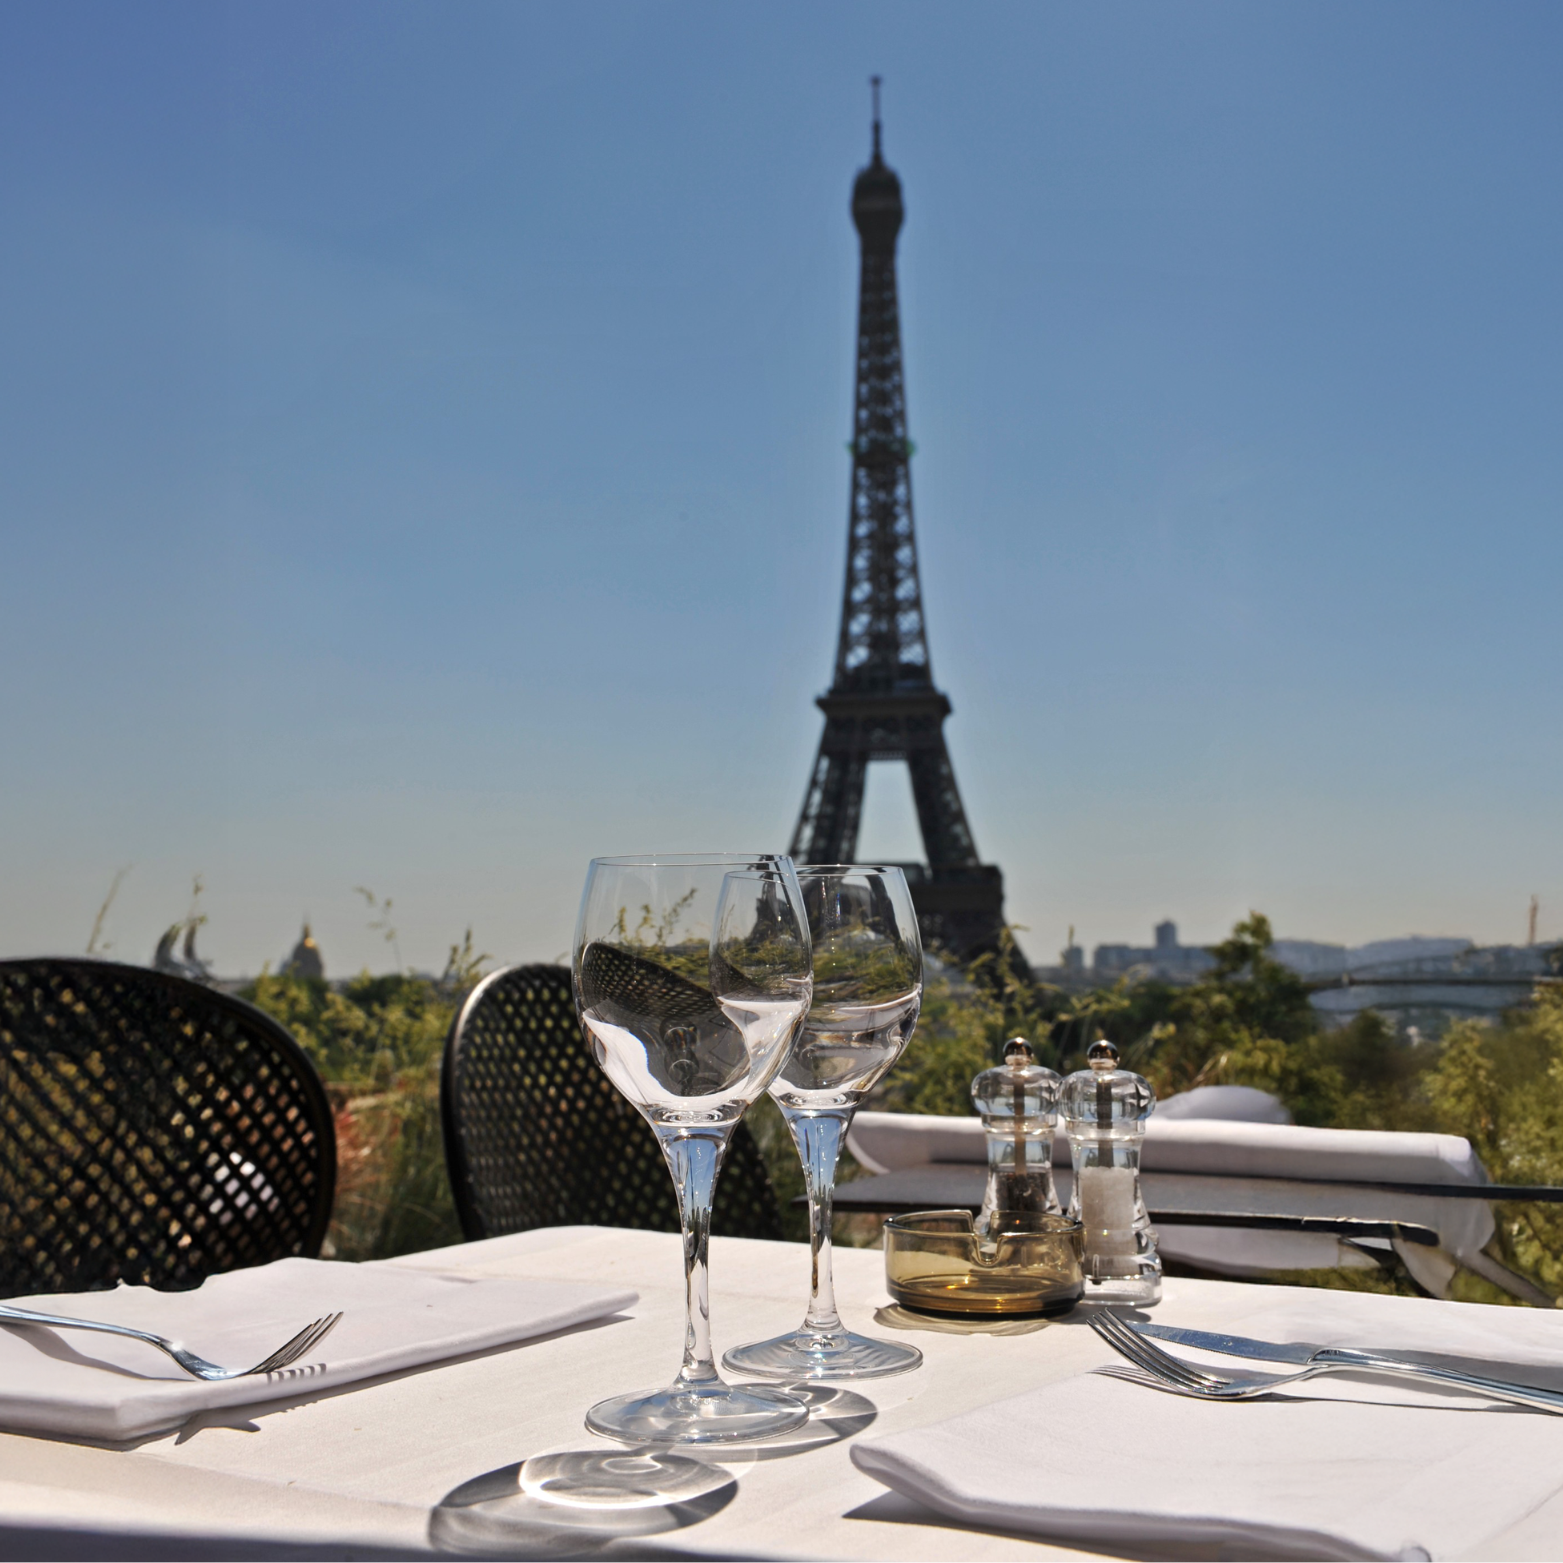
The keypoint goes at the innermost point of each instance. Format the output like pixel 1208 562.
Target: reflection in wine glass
pixel 868 985
pixel 692 976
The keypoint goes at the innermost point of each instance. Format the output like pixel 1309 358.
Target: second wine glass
pixel 868 986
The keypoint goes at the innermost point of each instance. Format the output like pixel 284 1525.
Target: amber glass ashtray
pixel 936 1263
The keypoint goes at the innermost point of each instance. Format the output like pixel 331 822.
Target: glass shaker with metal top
pixel 1104 1109
pixel 1018 1102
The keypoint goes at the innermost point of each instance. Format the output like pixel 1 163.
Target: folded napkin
pixel 104 1386
pixel 1107 1464
pixel 885 1142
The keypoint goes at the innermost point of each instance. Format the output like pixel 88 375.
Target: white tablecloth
pixel 367 1468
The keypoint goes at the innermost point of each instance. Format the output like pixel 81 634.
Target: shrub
pixel 1501 1086
pixel 377 1043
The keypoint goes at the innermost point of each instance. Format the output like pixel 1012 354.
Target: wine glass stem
pixel 818 1138
pixel 695 1159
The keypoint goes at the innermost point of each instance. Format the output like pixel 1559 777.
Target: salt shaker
pixel 1018 1101
pixel 1104 1109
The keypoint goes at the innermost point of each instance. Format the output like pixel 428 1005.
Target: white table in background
pixel 358 1473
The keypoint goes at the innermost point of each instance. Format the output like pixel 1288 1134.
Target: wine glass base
pixel 804 1356
pixel 714 1413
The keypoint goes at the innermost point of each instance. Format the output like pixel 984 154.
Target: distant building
pixel 1309 958
pixel 1164 961
pixel 1071 972
pixel 1418 984
pixel 1398 957
pixel 305 960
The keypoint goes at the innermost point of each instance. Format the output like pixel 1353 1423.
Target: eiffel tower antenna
pixel 882 703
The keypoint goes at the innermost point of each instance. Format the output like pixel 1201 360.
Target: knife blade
pixel 1227 1345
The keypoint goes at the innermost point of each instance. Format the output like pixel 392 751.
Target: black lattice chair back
pixel 152 1131
pixel 536 1135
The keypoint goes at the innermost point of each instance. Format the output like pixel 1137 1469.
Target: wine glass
pixel 868 988
pixel 692 977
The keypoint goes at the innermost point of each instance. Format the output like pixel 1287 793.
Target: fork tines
pixel 1143 1354
pixel 306 1340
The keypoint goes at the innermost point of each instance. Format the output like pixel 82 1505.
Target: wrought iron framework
pixel 882 703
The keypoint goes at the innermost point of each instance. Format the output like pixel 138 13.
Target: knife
pixel 1228 1345
pixel 1324 1358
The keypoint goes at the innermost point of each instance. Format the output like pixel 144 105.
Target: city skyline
pixel 423 458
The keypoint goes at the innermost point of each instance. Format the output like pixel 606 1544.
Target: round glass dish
pixel 936 1263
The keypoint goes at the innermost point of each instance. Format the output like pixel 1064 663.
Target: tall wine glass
pixel 868 988
pixel 692 976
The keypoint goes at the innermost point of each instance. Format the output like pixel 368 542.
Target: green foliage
pixel 463 967
pixel 377 1043
pixel 1501 1086
pixel 959 1033
pixel 1243 1017
pixel 965 1021
pixel 380 922
pixel 1248 1021
pixel 661 939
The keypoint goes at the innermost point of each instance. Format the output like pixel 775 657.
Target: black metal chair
pixel 152 1131
pixel 536 1135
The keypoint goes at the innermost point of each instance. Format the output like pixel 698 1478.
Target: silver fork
pixel 198 1367
pixel 1187 1379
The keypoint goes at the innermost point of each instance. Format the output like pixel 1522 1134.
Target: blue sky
pixel 422 455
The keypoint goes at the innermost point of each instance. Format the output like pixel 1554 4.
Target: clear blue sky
pixel 422 455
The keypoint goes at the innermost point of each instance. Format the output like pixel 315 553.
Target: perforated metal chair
pixel 152 1131
pixel 536 1135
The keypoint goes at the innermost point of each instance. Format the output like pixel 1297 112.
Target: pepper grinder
pixel 1018 1102
pixel 1104 1110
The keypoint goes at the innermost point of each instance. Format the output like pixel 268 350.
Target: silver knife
pixel 1227 1345
pixel 1327 1358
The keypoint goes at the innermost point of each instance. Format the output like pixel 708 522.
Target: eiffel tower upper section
pixel 882 703
pixel 883 647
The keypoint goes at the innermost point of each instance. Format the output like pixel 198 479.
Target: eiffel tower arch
pixel 882 703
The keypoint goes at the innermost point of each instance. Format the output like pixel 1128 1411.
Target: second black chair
pixel 536 1135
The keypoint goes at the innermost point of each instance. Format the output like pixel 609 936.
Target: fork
pixel 1186 1379
pixel 198 1367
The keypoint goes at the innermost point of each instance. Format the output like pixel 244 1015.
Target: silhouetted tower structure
pixel 882 703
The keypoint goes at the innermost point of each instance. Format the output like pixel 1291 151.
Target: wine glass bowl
pixel 692 975
pixel 868 980
pixel 662 1039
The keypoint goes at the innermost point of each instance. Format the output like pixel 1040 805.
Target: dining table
pixel 391 1467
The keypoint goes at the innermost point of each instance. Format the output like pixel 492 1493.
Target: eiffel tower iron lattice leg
pixel 882 703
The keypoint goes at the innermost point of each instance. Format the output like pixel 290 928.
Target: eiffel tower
pixel 882 703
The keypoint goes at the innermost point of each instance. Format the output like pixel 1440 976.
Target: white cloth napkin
pixel 884 1142
pixel 1177 1148
pixel 1103 1463
pixel 1351 1468
pixel 104 1386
